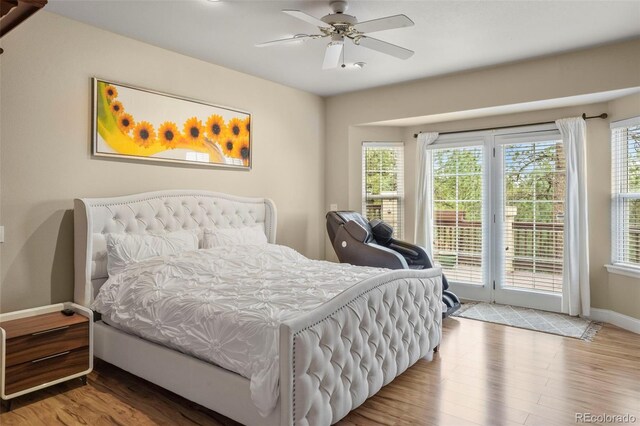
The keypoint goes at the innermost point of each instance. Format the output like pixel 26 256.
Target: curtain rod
pixel 584 117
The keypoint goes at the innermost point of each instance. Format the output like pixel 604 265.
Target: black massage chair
pixel 370 243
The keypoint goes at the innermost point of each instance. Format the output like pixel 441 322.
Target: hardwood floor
pixel 484 374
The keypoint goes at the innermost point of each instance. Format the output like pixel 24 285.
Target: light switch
pixel 333 207
pixel 1 234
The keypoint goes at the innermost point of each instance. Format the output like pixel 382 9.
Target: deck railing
pixel 531 246
pixel 459 241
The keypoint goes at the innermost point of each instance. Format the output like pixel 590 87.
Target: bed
pixel 330 359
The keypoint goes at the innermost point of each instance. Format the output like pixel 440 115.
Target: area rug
pixel 531 319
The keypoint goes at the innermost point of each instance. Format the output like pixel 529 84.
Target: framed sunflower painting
pixel 136 123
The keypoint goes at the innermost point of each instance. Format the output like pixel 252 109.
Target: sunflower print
pixel 247 125
pixel 116 107
pixel 126 123
pixel 235 127
pixel 144 134
pixel 215 127
pixel 110 92
pixel 228 144
pixel 242 147
pixel 194 131
pixel 168 134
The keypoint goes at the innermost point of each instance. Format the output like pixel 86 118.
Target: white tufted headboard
pixel 154 212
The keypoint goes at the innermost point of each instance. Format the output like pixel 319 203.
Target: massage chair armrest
pixel 367 254
pixel 416 255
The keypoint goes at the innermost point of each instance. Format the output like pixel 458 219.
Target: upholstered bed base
pixel 342 353
pixel 331 359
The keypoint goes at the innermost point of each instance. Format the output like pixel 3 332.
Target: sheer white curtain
pixel 423 223
pixel 575 285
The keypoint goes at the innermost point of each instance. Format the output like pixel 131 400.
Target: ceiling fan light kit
pixel 340 26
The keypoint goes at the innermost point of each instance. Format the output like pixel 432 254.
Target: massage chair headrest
pixel 382 231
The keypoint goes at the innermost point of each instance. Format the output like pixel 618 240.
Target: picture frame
pixel 133 123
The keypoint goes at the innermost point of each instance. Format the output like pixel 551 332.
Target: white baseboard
pixel 615 318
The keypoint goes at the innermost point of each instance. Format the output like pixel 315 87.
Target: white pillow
pixel 221 237
pixel 123 249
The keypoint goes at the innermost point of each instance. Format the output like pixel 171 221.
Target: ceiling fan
pixel 340 26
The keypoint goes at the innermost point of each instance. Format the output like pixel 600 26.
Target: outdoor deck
pixel 519 279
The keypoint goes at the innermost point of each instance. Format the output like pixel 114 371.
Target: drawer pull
pixel 49 357
pixel 50 331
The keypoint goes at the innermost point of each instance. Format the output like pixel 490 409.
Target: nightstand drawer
pixel 45 343
pixel 44 370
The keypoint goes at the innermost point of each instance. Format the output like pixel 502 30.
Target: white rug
pixel 531 319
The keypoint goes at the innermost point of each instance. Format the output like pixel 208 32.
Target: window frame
pixel 618 215
pixel 400 194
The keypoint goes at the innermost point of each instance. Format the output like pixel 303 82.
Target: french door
pixel 497 214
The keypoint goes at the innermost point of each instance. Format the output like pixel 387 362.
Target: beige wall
pixel 45 145
pixel 579 73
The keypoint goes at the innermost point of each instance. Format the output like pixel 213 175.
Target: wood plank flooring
pixel 484 374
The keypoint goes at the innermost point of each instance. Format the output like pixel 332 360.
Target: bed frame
pixel 331 359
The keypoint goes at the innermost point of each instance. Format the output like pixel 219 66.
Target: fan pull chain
pixel 344 49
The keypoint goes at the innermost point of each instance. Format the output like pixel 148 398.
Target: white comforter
pixel 225 305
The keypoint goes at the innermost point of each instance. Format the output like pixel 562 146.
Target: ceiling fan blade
pixel 381 24
pixel 307 18
pixel 384 47
pixel 290 40
pixel 332 56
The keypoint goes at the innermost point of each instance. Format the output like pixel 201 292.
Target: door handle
pixel 49 357
pixel 50 331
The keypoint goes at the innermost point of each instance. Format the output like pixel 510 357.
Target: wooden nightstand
pixel 41 347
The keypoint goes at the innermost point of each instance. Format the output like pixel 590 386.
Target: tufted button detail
pixel 353 352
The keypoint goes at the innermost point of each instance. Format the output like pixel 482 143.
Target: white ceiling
pixel 449 36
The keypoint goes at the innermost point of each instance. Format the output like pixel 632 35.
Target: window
pixel 625 139
pixel 383 183
pixel 534 177
pixel 497 214
pixel 457 206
